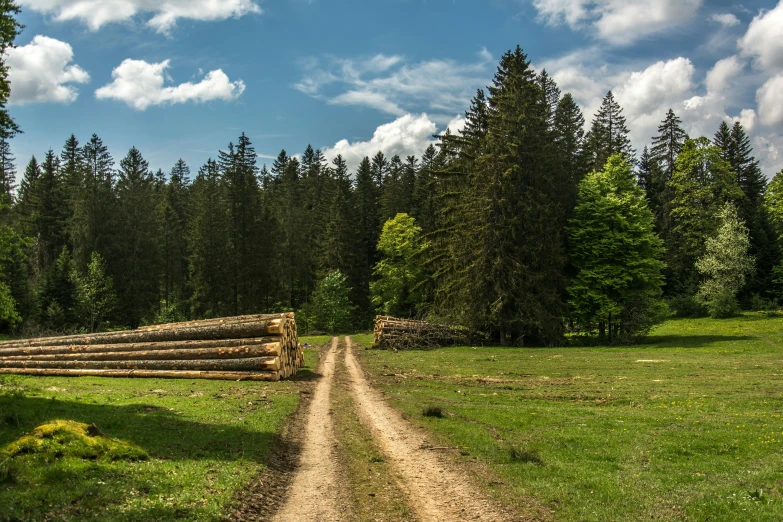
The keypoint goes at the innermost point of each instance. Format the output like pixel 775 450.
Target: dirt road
pixel 315 488
pixel 434 489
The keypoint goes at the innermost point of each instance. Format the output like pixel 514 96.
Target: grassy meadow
pixel 201 443
pixel 686 427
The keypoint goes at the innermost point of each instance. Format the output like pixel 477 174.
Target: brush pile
pixel 247 347
pixel 392 333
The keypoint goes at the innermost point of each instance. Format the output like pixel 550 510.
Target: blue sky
pixel 183 78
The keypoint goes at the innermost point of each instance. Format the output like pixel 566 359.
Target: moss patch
pixel 65 438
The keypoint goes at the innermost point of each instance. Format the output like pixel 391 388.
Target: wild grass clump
pixel 433 411
pixel 64 438
pixel 525 455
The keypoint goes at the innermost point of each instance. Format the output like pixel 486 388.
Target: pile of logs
pixel 248 347
pixel 407 334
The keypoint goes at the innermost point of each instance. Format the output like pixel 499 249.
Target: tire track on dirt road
pixel 435 491
pixel 315 489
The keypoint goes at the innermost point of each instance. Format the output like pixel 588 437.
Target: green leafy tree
pixel 702 183
pixel 97 293
pixel 398 274
pixel 331 307
pixel 9 30
pixel 725 264
pixel 619 282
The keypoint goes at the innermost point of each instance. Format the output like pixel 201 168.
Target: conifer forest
pixel 528 225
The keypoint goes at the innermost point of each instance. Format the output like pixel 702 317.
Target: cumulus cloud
pixel 770 101
pixel 390 85
pixel 407 135
pixel 647 93
pixel 763 39
pixel 41 71
pixel 141 84
pixel 619 22
pixel 162 15
pixel 722 73
pixel 725 19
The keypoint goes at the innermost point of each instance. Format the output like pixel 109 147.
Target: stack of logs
pixel 407 334
pixel 248 347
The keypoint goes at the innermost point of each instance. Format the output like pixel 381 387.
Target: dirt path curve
pixel 314 491
pixel 435 491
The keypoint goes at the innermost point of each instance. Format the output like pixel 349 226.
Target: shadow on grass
pixel 159 431
pixel 691 341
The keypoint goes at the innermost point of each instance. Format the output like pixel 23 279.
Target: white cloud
pixel 40 72
pixel 618 22
pixel 722 73
pixel 407 135
pixel 763 40
pixel 770 101
pixel 646 93
pixel 140 84
pixel 164 13
pixel 392 86
pixel 725 19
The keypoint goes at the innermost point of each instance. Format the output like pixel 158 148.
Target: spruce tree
pixel 608 135
pixel 51 219
pixel 7 173
pixel 207 234
pixel 569 137
pixel 136 267
pixel 97 293
pixel 27 201
pixel 58 295
pixel 92 223
pixel 173 205
pixel 668 144
pixel 505 269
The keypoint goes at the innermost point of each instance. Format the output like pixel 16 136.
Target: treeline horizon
pixel 94 243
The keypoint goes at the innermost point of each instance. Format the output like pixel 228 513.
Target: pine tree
pixel 668 144
pixel 7 173
pixel 58 296
pixel 173 244
pixel 92 223
pixel 27 201
pixel 136 267
pixel 608 135
pixel 652 179
pixel 247 277
pixel 207 233
pixel 425 193
pixel 51 220
pixel 551 94
pixel 569 136
pixel 617 254
pixel 504 270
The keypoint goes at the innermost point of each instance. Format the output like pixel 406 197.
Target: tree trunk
pixel 226 365
pixel 133 347
pixel 222 352
pixel 160 374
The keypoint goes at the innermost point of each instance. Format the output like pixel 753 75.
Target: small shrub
pixel 433 411
pixel 525 455
pixel 723 306
pixel 687 306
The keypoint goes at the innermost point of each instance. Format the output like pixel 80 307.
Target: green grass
pixel 686 427
pixel 202 442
